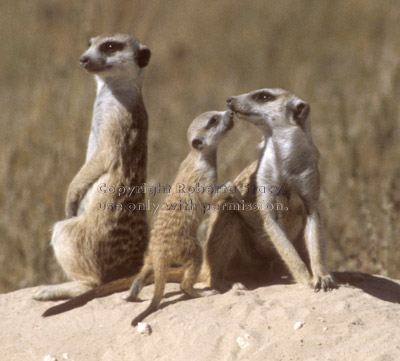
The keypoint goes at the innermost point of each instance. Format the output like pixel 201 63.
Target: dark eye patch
pixel 110 47
pixel 212 122
pixel 263 97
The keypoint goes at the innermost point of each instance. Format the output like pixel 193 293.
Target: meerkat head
pixel 115 55
pixel 270 108
pixel 208 129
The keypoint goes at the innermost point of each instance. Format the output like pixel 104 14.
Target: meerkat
pixel 95 246
pixel 173 238
pixel 288 162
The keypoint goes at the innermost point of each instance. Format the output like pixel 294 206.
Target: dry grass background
pixel 342 57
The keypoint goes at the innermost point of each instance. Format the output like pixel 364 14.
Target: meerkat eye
pixel 212 122
pixel 110 47
pixel 263 97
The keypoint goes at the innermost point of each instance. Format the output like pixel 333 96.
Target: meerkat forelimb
pixel 96 246
pixel 173 238
pixel 289 160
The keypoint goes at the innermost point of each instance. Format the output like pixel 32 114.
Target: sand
pixel 360 322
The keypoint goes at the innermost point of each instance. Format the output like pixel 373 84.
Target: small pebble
pixel 325 329
pixel 243 341
pixel 49 358
pixel 144 328
pixel 298 325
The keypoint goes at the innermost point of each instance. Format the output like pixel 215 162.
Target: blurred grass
pixel 342 57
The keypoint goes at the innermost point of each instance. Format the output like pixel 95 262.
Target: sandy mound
pixel 360 322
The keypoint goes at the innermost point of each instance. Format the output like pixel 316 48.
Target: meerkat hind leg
pixel 192 270
pixel 191 273
pixel 226 241
pixel 61 292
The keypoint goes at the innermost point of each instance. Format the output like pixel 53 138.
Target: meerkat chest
pixel 107 111
pixel 269 171
pixel 286 158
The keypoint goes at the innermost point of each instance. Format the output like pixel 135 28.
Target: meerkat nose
pixel 229 100
pixel 84 59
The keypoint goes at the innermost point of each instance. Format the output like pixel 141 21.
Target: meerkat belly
pixel 275 169
pixel 293 218
pixel 118 228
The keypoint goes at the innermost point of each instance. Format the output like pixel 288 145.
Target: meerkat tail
pixel 101 291
pixel 139 282
pixel 174 275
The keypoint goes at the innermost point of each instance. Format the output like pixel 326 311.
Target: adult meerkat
pixel 173 238
pixel 288 162
pixel 95 246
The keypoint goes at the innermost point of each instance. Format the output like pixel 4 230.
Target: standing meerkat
pixel 173 238
pixel 288 162
pixel 95 246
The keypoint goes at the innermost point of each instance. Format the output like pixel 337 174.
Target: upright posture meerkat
pixel 95 246
pixel 173 238
pixel 289 165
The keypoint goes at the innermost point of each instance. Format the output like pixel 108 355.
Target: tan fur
pixel 173 238
pixel 95 246
pixel 239 239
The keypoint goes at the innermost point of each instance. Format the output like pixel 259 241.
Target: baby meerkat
pixel 288 161
pixel 173 238
pixel 96 246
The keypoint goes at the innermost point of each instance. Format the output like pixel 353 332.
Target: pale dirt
pixel 351 323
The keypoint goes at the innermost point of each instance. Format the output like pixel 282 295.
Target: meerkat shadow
pixel 164 304
pixel 377 286
pixel 183 297
pixel 257 280
pixel 172 294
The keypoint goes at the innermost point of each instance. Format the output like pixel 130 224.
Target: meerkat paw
pixel 304 280
pixel 325 282
pixel 61 291
pixel 225 286
pixel 232 187
pixel 130 298
pixel 230 184
pixel 212 292
pixel 194 293
pixel 43 295
pixel 238 286
pixel 71 209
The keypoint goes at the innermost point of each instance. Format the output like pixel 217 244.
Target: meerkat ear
pixel 300 112
pixel 143 56
pixel 197 143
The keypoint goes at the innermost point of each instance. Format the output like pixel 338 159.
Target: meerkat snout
pixel 83 60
